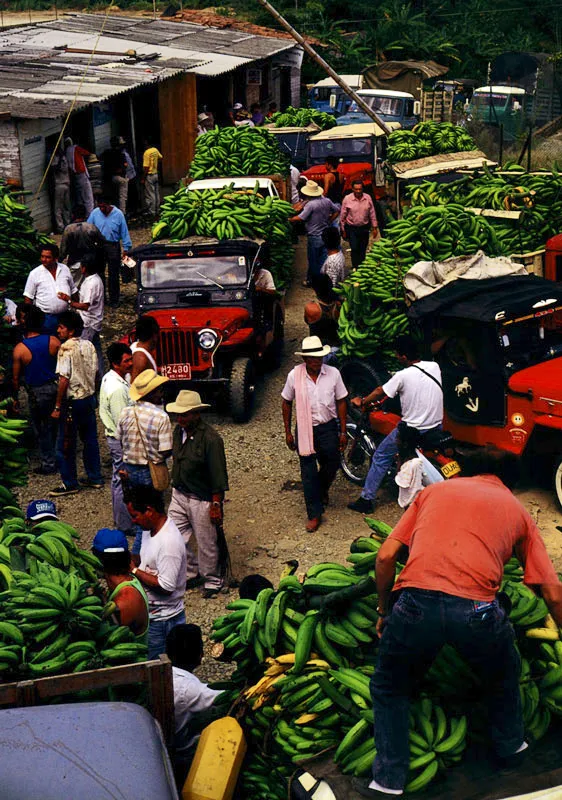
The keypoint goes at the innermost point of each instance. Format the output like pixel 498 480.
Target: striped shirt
pixel 155 427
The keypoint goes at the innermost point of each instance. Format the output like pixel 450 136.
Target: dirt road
pixel 264 513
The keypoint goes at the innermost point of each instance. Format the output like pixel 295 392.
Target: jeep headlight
pixel 207 339
pixel 150 299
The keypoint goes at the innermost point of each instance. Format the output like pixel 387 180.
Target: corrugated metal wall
pixel 9 152
pixel 177 102
pixel 32 133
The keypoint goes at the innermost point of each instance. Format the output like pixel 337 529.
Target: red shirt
pixel 461 532
pixel 358 212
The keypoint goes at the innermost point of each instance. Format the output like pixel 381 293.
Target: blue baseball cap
pixel 41 509
pixel 110 540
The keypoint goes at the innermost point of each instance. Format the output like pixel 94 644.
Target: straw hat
pixel 202 117
pixel 312 347
pixel 186 401
pixel 146 382
pixel 311 189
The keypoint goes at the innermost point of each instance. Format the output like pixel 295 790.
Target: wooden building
pixel 139 78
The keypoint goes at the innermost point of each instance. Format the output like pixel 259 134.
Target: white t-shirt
pixel 295 175
pixel 92 292
pixel 42 288
pixel 420 397
pixel 265 280
pixel 164 555
pixel 191 696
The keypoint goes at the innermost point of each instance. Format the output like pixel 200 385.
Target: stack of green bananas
pixel 265 778
pixel 232 152
pixel 550 685
pixel 372 314
pixel 51 542
pixel 13 457
pixel 55 622
pixel 427 139
pixel 527 610
pixel 230 213
pixel 301 117
pixel 537 195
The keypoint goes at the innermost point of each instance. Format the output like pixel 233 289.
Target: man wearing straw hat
pixel 319 395
pixel 318 213
pixel 199 479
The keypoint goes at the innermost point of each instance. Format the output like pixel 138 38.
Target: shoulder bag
pixel 159 474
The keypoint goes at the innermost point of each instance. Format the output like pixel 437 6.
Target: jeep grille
pixel 178 347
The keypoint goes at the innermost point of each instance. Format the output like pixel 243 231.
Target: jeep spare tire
pixel 241 389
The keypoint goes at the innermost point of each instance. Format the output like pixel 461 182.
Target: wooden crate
pixel 533 262
pixel 437 106
pixel 155 675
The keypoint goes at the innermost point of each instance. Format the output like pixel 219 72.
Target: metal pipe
pixel 324 64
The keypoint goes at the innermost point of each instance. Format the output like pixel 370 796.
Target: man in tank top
pixel 34 365
pixel 144 349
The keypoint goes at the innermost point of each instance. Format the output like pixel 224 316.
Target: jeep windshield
pixel 342 148
pixel 531 342
pixel 170 273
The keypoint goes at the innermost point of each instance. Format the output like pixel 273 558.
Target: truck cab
pixel 499 345
pixel 390 106
pixel 498 105
pixel 216 326
pixel 325 95
pixel 360 149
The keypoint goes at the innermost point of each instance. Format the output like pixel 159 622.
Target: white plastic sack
pixel 426 277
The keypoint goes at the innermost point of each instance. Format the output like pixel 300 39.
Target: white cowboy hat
pixel 186 401
pixel 146 382
pixel 312 347
pixel 202 117
pixel 311 189
pixel 237 106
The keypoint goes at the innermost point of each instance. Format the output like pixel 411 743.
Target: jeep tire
pixel 241 389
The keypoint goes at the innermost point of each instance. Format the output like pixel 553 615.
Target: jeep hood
pixel 544 382
pixel 221 318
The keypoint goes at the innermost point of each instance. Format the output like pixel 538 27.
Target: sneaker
pixel 361 786
pixel 193 583
pixel 62 491
pixel 209 594
pixel 362 505
pixel 44 470
pixel 86 483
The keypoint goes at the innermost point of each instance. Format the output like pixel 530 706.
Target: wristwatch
pixel 134 570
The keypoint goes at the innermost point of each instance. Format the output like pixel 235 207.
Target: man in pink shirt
pixel 357 219
pixel 459 535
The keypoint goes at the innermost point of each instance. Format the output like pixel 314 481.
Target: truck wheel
pixel 557 479
pixel 241 389
pixel 360 379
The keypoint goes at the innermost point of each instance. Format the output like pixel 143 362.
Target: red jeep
pixel 215 327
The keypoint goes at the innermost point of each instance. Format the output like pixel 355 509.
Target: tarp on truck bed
pixel 426 277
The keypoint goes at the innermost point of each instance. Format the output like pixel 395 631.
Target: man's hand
pixel 63 296
pixel 343 442
pixel 215 513
pixel 55 414
pixel 290 439
pixel 381 622
pixel 357 402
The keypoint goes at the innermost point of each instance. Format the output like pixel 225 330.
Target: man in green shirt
pixel 199 479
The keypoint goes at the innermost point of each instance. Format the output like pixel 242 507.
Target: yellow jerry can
pixel 217 762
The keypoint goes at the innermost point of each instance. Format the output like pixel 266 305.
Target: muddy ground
pixel 264 513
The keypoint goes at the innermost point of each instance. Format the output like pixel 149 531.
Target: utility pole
pixel 324 64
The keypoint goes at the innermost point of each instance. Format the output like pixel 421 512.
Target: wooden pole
pixel 324 64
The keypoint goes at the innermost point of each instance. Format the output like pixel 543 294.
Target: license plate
pixel 176 372
pixel 450 469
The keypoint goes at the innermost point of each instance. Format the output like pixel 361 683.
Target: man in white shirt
pixel 192 697
pixel 114 397
pixel 319 395
pixel 421 398
pixel 47 285
pixel 90 305
pixel 295 175
pixel 163 565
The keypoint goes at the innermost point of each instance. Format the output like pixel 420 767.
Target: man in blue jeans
pixel 317 215
pixel 459 533
pixel 421 397
pixel 75 407
pixel 163 564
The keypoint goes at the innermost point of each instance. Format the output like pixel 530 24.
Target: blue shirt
pixel 316 215
pixel 113 227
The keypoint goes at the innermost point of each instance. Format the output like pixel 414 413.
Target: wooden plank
pixel 156 675
pixel 177 103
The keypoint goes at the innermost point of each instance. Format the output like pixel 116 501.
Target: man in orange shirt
pixel 460 533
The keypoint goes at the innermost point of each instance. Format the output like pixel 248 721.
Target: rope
pixel 71 109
